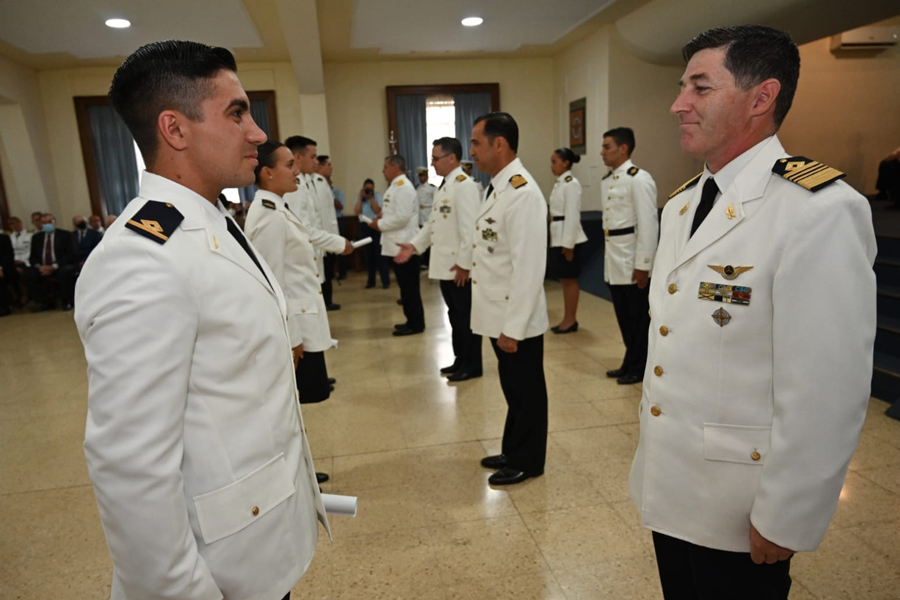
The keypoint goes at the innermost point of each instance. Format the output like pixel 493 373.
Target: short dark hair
pixel 322 158
pixel 165 75
pixel 622 135
pixel 368 181
pixel 397 160
pixel 451 145
pixel 37 213
pixel 265 154
pixel 500 124
pixel 298 143
pixel 567 155
pixel 754 53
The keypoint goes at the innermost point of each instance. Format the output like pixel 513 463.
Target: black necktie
pixel 442 183
pixel 236 233
pixel 710 189
pixel 490 189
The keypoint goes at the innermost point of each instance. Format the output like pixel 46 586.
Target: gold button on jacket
pixel 658 371
pixel 655 411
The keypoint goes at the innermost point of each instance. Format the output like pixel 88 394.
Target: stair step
pixel 888 301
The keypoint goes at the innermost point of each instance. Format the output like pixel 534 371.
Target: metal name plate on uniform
pixel 489 235
pixel 720 292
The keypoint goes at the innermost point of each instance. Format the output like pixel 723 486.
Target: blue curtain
pixel 469 106
pixel 259 110
pixel 114 157
pixel 412 142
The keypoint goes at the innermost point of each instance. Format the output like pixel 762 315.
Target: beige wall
pixel 845 112
pixel 24 146
pixel 357 109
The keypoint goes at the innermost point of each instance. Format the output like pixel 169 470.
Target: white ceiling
pixel 76 27
pixel 415 26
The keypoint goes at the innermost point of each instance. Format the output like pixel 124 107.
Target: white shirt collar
pixel 564 175
pixel 162 189
pixel 506 173
pixel 726 174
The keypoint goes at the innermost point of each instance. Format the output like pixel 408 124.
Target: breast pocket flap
pixel 226 511
pixel 744 444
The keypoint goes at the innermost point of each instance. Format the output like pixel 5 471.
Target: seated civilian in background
pixel 21 242
pixel 368 203
pixel 53 259
pixel 36 221
pixel 95 223
pixel 9 276
pixel 889 178
pixel 85 239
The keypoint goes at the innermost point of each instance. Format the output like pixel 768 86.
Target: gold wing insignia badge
pixel 729 272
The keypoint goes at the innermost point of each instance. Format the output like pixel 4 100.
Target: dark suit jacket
pixel 63 246
pixel 7 256
pixel 89 241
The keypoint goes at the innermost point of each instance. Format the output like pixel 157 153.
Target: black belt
pixel 611 232
pixel 557 218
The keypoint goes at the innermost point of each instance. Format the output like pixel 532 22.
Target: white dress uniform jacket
pixel 425 198
pixel 325 204
pixel 284 241
pixel 754 420
pixel 399 221
pixel 565 201
pixel 194 440
pixel 304 204
pixel 451 227
pixel 21 243
pixel 509 258
pixel 628 195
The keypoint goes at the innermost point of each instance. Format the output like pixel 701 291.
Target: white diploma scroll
pixel 340 505
pixel 360 243
pixel 365 219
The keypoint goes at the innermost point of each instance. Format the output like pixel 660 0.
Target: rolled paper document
pixel 365 219
pixel 340 505
pixel 360 243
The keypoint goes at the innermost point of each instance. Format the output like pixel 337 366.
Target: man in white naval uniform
pixel 398 223
pixel 194 441
pixel 763 324
pixel 424 198
pixel 509 257
pixel 630 228
pixel 328 217
pixel 449 232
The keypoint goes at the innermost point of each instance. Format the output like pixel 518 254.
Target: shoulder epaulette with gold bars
pixel 155 220
pixel 517 181
pixel 810 174
pixel 687 184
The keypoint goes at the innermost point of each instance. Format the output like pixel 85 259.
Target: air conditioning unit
pixel 866 38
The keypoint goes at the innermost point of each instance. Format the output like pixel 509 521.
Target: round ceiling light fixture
pixel 118 23
pixel 472 21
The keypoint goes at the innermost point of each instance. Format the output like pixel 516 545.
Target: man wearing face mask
pixel 85 238
pixel 53 258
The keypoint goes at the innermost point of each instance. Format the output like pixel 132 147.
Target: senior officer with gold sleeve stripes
pixel 194 440
pixel 759 366
pixel 508 304
pixel 449 232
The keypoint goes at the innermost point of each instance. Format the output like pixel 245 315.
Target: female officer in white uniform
pixel 284 242
pixel 566 233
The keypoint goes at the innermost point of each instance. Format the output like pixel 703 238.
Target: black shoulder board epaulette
pixel 568 179
pixel 268 204
pixel 155 220
pixel 608 173
pixel 687 184
pixel 810 174
pixel 517 181
pixel 633 171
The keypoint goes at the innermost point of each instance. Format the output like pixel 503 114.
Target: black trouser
pixel 374 260
pixel 889 179
pixel 525 390
pixel 312 378
pixel 408 279
pixel 691 572
pixel 327 289
pixel 632 306
pixel 38 285
pixel 466 345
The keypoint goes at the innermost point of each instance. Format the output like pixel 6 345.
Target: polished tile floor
pixel 407 443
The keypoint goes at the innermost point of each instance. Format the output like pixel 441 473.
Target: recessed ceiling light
pixel 118 23
pixel 472 21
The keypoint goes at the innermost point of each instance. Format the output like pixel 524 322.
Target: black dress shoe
pixel 322 477
pixel 408 331
pixel 401 326
pixel 385 286
pixel 497 461
pixel 370 285
pixel 451 369
pixel 615 373
pixel 509 476
pixel 571 329
pixel 463 375
pixel 332 381
pixel 333 306
pixel 630 378
pixel 400 301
